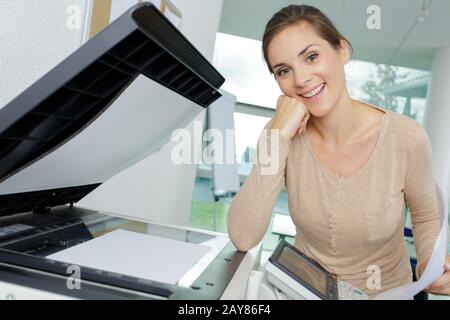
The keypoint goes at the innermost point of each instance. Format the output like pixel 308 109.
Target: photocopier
pixel 78 126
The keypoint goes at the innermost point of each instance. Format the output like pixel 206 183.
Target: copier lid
pixel 107 106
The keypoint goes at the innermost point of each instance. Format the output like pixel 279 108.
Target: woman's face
pixel 308 68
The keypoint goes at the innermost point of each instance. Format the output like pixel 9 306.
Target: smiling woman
pixel 295 14
pixel 349 167
pixel 307 58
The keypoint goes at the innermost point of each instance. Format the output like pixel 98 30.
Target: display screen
pixel 303 269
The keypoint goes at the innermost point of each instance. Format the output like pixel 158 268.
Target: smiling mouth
pixel 313 92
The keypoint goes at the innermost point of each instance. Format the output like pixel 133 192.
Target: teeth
pixel 313 92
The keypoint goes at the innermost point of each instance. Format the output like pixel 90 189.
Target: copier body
pixel 81 124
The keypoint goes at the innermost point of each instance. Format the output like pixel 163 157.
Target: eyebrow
pixel 300 53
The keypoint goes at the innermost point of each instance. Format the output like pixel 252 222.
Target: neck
pixel 337 126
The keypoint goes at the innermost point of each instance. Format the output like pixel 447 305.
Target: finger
pixel 447 263
pixel 444 290
pixel 307 110
pixel 308 114
pixel 441 282
pixel 305 116
pixel 438 284
pixel 302 126
pixel 303 122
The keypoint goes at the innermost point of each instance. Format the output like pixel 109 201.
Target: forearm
pixel 251 209
pixel 426 227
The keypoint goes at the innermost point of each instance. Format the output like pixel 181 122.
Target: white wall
pixel 155 189
pixel 200 23
pixel 34 37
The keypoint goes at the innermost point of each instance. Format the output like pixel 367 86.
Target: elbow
pixel 241 241
pixel 241 245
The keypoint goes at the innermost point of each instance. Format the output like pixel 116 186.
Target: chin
pixel 318 111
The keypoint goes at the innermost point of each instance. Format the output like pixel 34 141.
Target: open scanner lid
pixel 107 106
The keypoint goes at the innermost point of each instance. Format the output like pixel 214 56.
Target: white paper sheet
pixel 435 266
pixel 134 254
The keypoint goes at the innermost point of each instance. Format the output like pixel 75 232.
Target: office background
pixel 404 66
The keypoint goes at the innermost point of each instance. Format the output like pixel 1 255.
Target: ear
pixel 344 51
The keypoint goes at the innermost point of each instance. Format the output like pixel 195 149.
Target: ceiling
pixel 402 39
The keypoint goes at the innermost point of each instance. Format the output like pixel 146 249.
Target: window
pixel 241 62
pixel 399 89
pixel 247 130
pixel 395 88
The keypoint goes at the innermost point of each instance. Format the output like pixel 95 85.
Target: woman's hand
pixel 440 286
pixel 291 117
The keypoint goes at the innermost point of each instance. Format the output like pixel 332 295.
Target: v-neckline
pixel 373 153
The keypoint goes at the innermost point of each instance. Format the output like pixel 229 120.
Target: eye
pixel 312 57
pixel 282 72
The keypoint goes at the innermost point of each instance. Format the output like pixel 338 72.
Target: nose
pixel 301 78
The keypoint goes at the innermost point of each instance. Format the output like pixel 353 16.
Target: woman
pixel 348 167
